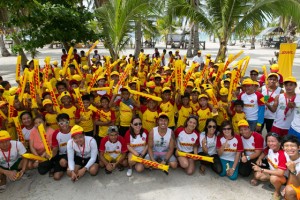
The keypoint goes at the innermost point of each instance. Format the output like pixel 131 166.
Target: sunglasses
pixel 211 126
pixel 226 129
pixel 253 74
pixel 162 141
pixel 137 124
pixel 63 123
pixel 274 135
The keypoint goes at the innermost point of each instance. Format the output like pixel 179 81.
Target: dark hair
pixel 290 138
pixel 226 123
pixel 278 137
pixel 71 66
pixel 4 83
pixel 186 95
pixel 206 124
pixel 192 117
pixel 86 97
pixel 60 83
pixel 40 117
pixel 131 129
pixel 26 113
pixel 62 116
pixel 105 98
pixel 238 103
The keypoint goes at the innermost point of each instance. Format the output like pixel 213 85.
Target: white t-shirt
pixel 88 150
pixel 281 120
pixel 186 142
pixel 211 143
pixel 17 149
pixel 198 59
pixel 272 95
pixel 297 164
pixel 161 144
pixel 296 121
pixel 26 132
pixel 233 146
pixel 138 143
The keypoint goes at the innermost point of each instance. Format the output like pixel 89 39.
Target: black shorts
pixel 57 166
pixel 82 161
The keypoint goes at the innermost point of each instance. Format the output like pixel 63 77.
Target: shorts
pixel 111 159
pixel 160 156
pixel 89 133
pixel 281 132
pixel 15 166
pixel 295 133
pixel 57 167
pixel 297 190
pixel 82 161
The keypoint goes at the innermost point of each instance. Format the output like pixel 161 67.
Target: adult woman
pixel 187 138
pixel 27 122
pixel 208 146
pixel 82 154
pixel 277 164
pixel 136 140
pixel 229 148
pixel 37 147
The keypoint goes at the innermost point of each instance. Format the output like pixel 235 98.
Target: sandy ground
pixel 149 184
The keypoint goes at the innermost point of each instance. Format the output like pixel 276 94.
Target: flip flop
pixel 2 188
pixel 254 182
pixel 202 170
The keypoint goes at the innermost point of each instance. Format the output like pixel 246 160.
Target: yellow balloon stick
pixel 31 156
pixel 19 129
pixel 53 96
pixel 67 61
pixel 77 68
pixel 25 77
pixel 43 135
pixel 195 156
pixel 100 88
pixel 32 90
pixel 232 80
pixel 47 68
pixel 150 163
pixel 266 74
pixel 18 68
pixel 219 75
pixel 91 49
pixel 122 78
pixel 11 108
pixel 79 100
pixel 189 74
pixel 2 115
pixel 94 79
pixel 37 76
pixel 155 98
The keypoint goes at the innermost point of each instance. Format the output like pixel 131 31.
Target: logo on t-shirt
pixel 253 144
pixel 143 138
pixel 252 101
pixel 234 144
pixel 275 159
pixel 118 147
pixel 193 139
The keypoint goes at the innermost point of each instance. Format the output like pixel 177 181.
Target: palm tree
pixel 225 17
pixel 115 17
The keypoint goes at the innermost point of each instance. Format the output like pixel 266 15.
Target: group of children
pixel 105 115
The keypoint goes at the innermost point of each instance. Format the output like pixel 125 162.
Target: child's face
pixel 48 107
pixel 101 82
pixel 203 102
pixel 185 101
pixel 125 94
pixel 115 78
pixel 61 89
pixel 157 81
pixel 189 89
pixel 86 103
pixel 166 96
pixel 66 100
pixel 104 103
pixel 194 96
pixel 238 108
pixel 224 98
pixel 151 104
pixel 227 84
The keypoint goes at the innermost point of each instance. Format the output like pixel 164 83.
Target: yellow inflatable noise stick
pixel 100 88
pixel 155 98
pixel 195 156
pixel 150 163
pixel 31 156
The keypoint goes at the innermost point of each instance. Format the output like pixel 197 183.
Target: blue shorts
pixel 295 133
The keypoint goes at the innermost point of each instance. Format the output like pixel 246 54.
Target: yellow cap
pixel 85 67
pixel 206 86
pixel 190 83
pixel 227 72
pixel 115 73
pixel 243 123
pixel 223 91
pixel 76 130
pixel 4 135
pixel 254 70
pixel 227 79
pixel 256 83
pixel 101 77
pixel 199 51
pixel 150 84
pixel 157 76
pixel 55 62
pixel 63 94
pixel 162 114
pixel 196 90
pixel 290 79
pixel 247 81
pixel 166 68
pixel 274 67
pixel 177 51
pixel 202 96
pixel 208 55
pixel 3 103
pixel 47 101
pixel 273 74
pixel 166 89
pixel 77 77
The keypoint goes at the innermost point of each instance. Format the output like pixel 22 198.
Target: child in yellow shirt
pixel 237 114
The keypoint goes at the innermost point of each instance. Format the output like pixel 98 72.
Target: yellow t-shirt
pixel 222 113
pixel 84 60
pixel 235 120
pixel 203 116
pixel 104 117
pixel 125 114
pixel 51 120
pixel 195 107
pixel 183 114
pixel 87 123
pixel 149 119
pixel 169 109
pixel 71 112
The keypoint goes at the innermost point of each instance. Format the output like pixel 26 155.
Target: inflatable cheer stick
pixel 100 88
pixel 265 73
pixel 150 163
pixel 91 49
pixel 155 98
pixel 31 156
pixel 195 156
pixel 18 129
pixel 18 68
pixel 42 133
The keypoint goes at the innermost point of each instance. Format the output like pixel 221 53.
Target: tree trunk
pixel 189 52
pixel 253 38
pixel 67 46
pixel 196 39
pixel 138 38
pixel 222 51
pixel 4 51
pixel 21 52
